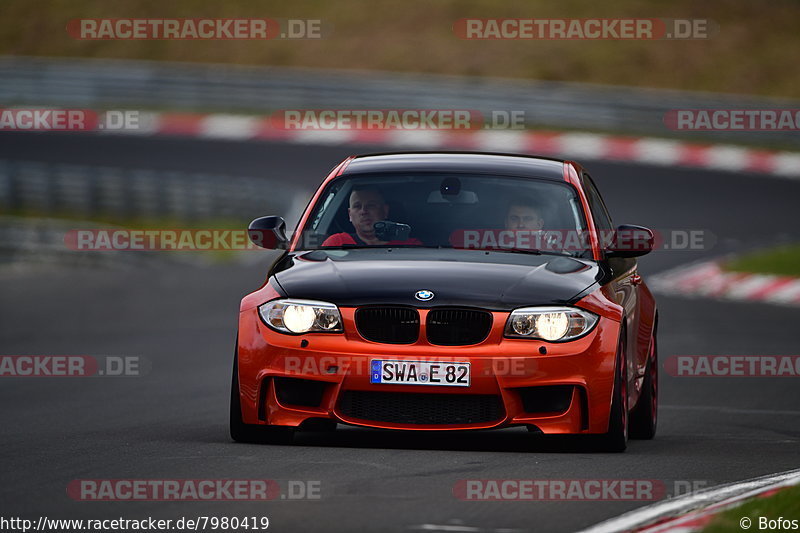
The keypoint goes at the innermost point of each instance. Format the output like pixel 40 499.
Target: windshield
pixel 443 210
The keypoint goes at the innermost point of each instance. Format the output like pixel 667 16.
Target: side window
pixel 599 212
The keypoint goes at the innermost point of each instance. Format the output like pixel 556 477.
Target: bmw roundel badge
pixel 424 295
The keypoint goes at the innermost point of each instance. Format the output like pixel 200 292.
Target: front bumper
pixel 287 380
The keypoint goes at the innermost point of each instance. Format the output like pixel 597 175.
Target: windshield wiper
pixel 529 251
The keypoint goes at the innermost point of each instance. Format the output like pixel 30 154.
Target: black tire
pixel 644 417
pixel 615 440
pixel 252 433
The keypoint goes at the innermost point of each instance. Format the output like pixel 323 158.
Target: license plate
pixel 419 373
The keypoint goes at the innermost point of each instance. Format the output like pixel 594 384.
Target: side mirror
pixel 268 232
pixel 630 241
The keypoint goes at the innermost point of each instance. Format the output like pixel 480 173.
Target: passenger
pixel 524 218
pixel 524 214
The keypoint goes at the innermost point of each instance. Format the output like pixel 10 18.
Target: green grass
pixel 753 53
pixel 785 504
pixel 784 261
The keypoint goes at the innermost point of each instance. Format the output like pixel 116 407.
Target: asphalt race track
pixel 172 423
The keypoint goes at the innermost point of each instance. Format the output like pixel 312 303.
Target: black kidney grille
pixel 392 325
pixel 458 327
pixel 421 408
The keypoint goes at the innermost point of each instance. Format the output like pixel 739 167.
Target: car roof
pixel 467 162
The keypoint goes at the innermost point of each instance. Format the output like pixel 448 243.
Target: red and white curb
pixel 572 145
pixel 692 512
pixel 709 280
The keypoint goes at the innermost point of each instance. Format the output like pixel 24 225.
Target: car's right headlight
pixel 554 324
pixel 301 316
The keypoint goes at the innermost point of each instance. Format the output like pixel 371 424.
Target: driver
pixel 367 206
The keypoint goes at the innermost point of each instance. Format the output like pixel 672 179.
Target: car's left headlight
pixel 301 316
pixel 550 323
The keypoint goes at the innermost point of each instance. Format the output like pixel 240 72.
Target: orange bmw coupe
pixel 450 291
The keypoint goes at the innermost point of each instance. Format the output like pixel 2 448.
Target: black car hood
pixel 498 281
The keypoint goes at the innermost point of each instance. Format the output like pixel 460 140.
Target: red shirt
pixel 343 239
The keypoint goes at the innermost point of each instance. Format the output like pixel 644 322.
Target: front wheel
pixel 616 438
pixel 644 417
pixel 252 433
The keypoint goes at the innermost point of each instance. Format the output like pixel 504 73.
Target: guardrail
pixel 139 193
pixel 40 241
pixel 242 89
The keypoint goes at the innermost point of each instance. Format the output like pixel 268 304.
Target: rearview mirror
pixel 268 232
pixel 630 241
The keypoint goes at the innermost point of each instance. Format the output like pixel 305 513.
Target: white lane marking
pixel 465 529
pixel 684 278
pixel 657 151
pixel 221 126
pixel 500 141
pixel 748 286
pixel 416 138
pixel 584 145
pixel 728 494
pixel 786 164
pixel 785 294
pixel 725 157
pixel 708 279
pixel 717 284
